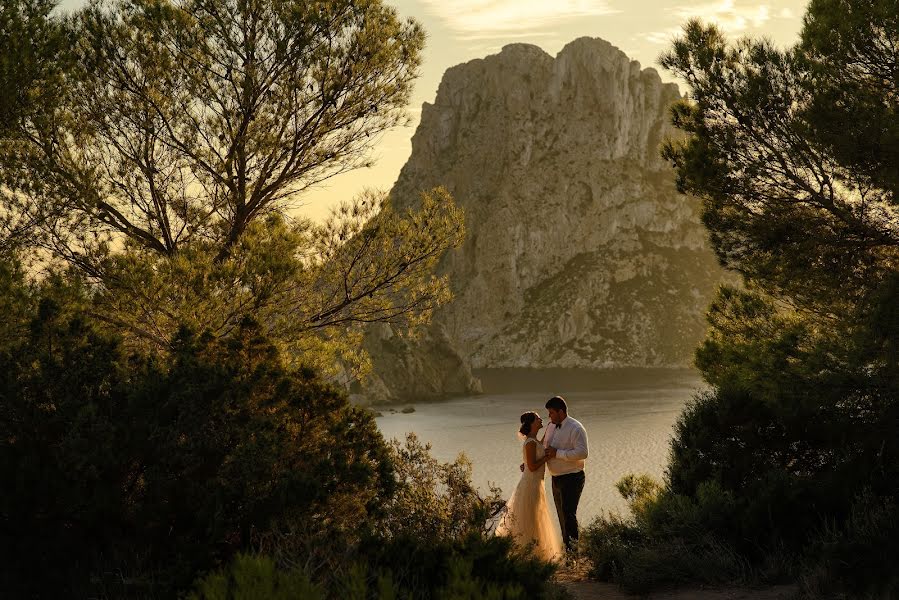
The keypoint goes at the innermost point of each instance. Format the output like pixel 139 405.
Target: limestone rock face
pixel 579 251
pixel 424 367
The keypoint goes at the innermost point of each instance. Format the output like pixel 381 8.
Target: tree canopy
pixel 789 463
pixel 186 120
pixel 159 147
pixel 794 152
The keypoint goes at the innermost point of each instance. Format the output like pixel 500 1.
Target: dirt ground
pixel 575 580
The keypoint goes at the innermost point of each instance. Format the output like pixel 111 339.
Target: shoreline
pixel 557 381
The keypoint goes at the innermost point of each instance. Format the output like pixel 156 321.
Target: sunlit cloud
pixel 486 18
pixel 661 37
pixel 732 18
pixel 513 35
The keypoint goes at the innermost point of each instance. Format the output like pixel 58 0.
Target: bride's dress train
pixel 527 516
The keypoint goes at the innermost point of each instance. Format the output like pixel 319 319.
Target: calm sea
pixel 629 417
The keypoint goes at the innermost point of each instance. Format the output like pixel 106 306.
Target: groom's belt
pixel 581 472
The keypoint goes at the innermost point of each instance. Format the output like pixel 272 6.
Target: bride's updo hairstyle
pixel 527 419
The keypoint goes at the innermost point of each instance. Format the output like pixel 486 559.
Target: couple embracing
pixel 563 450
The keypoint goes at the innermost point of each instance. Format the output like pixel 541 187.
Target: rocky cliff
pixel 579 251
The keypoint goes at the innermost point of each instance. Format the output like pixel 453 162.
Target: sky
pixel 463 30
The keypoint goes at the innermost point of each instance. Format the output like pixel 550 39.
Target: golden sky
pixel 462 30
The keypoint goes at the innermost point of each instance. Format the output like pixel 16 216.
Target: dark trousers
pixel 566 494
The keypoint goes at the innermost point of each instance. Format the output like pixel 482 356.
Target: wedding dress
pixel 527 516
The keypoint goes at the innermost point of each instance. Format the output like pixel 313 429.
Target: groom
pixel 566 446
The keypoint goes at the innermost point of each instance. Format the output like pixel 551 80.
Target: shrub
pixel 463 585
pixel 609 542
pixel 422 567
pixel 666 541
pixel 433 500
pixel 779 462
pixel 750 482
pixel 857 558
pixel 249 447
pixel 126 474
pixel 435 518
pixel 251 576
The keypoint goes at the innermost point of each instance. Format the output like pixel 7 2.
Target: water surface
pixel 629 418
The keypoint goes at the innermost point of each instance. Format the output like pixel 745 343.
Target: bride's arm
pixel 530 455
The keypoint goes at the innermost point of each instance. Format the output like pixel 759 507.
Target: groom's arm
pixel 579 452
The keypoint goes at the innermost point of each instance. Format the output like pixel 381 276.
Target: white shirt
pixel 569 438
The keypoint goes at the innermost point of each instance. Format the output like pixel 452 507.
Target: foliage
pixel 757 467
pixel 801 417
pixel 30 75
pixel 435 500
pixel 790 203
pixel 429 542
pixel 639 491
pixel 463 586
pixel 434 538
pixel 159 414
pixel 16 303
pixel 433 518
pixel 52 400
pixel 32 67
pixel 427 568
pixel 188 119
pixel 609 541
pixel 165 168
pixel 792 153
pixel 311 287
pixel 258 577
pixel 856 558
pixel 670 539
pixel 130 476
pixel 120 465
pixel 250 576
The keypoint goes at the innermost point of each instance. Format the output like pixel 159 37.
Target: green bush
pixel 422 567
pixel 609 542
pixel 666 542
pixel 258 577
pixel 463 585
pixel 432 500
pixel 436 518
pixel 856 559
pixel 432 515
pixel 249 447
pixel 750 482
pixel 128 476
pixel 789 464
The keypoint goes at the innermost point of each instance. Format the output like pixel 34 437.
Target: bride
pixel 527 517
